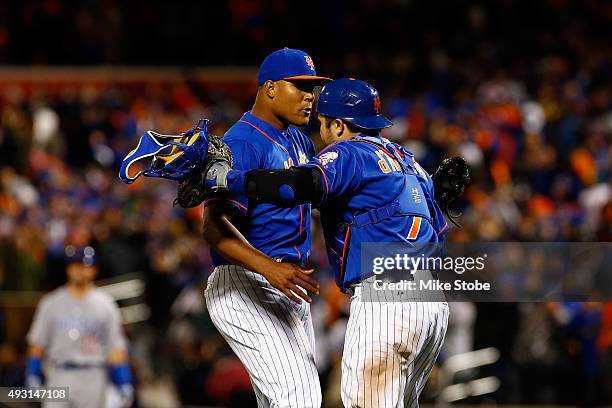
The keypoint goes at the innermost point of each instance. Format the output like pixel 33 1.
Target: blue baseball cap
pixel 85 255
pixel 290 65
pixel 353 101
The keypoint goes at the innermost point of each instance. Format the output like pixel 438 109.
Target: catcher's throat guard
pixel 173 157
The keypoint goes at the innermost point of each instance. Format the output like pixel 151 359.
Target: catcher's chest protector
pixel 392 221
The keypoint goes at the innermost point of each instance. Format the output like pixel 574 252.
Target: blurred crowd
pixel 529 107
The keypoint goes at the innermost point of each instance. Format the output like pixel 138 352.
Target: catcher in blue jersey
pixel 368 190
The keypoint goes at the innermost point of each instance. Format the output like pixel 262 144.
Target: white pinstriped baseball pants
pixel 389 351
pixel 272 336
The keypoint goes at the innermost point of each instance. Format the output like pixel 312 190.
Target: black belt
pixel 389 276
pixel 70 365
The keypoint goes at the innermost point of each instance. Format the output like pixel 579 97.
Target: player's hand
pixel 292 280
pixel 126 394
pixel 208 176
pixel 33 381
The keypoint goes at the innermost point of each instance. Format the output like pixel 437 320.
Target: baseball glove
pixel 450 179
pixel 191 190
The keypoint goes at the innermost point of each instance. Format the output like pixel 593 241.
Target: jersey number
pixel 288 163
pixel 386 163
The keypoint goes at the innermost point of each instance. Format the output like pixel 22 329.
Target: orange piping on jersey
pixel 210 200
pixel 442 230
pixel 324 179
pixel 299 233
pixel 344 252
pixel 266 135
pixel 298 252
pixel 381 147
pixel 301 219
pixel 414 229
pixel 399 152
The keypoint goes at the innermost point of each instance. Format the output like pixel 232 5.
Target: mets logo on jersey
pixel 328 157
pixel 309 61
pixel 416 196
pixel 302 157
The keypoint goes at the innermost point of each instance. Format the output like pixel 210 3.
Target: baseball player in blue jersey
pixel 368 190
pixel 259 249
pixel 77 331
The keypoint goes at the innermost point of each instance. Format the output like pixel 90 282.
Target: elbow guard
pixel 287 188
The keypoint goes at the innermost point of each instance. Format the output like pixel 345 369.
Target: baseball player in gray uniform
pixel 77 331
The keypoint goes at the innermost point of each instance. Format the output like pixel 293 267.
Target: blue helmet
pixel 353 101
pixel 85 255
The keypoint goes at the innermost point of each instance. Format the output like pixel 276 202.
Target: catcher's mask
pixel 173 157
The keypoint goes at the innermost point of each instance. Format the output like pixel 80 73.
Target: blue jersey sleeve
pixel 247 156
pixel 339 171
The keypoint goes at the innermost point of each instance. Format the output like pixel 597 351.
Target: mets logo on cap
pixel 309 61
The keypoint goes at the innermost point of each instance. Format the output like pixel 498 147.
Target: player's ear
pixel 270 89
pixel 340 127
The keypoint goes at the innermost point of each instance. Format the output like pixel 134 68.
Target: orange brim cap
pixel 307 78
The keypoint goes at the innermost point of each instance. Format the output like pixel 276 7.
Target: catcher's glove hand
pixel 450 179
pixel 192 190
